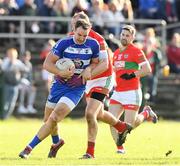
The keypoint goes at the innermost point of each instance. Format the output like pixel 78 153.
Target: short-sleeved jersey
pixel 103 46
pixel 127 61
pixel 81 54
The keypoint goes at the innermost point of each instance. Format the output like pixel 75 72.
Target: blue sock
pixel 34 142
pixel 55 139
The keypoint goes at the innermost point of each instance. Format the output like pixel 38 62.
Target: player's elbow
pixel 45 65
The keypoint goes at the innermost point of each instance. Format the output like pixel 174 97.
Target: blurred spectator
pixel 80 5
pixel 135 7
pixel 96 14
pixel 154 57
pixel 20 3
pixel 60 9
pixel 177 4
pixel 171 13
pixel 173 53
pixel 0 64
pixel 39 3
pixel 148 9
pixel 113 15
pixel 127 10
pixel 12 68
pixel 7 7
pixel 46 76
pixel 47 10
pixel 27 88
pixel 28 9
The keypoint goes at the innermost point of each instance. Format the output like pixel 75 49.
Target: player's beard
pixel 124 42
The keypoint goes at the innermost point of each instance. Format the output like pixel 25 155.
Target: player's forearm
pixel 50 67
pixel 145 70
pixel 100 68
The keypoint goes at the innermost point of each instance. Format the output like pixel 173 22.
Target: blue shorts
pixel 61 93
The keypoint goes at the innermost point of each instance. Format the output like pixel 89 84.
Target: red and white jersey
pixel 127 61
pixel 103 48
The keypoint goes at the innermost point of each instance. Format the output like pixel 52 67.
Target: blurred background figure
pixel 46 10
pixel 154 56
pixel 80 5
pixel 12 68
pixel 173 53
pixel 61 9
pixel 113 15
pixel 96 12
pixel 27 88
pixel 46 76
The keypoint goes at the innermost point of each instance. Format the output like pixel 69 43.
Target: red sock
pixel 120 147
pixel 120 126
pixel 90 148
pixel 145 114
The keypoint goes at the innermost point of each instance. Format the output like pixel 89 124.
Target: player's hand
pixel 86 75
pixel 127 76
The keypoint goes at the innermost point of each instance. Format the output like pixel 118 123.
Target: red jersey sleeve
pixel 139 56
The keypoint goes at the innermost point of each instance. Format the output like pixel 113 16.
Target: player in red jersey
pixel 96 90
pixel 130 64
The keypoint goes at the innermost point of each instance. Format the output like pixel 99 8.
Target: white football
pixel 64 64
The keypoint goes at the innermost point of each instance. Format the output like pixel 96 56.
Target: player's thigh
pixel 116 110
pixel 130 116
pixel 47 113
pixel 93 106
pixel 60 111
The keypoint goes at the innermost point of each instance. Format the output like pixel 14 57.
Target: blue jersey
pixel 71 91
pixel 81 54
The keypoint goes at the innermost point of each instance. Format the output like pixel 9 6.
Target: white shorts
pixel 128 99
pixel 99 83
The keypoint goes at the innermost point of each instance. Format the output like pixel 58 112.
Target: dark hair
pixel 82 23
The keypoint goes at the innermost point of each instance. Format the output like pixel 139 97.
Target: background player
pixel 96 90
pixel 130 64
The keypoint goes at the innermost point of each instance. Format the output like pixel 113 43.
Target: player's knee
pixel 90 116
pixel 53 118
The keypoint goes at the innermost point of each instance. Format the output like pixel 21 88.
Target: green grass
pixel 147 145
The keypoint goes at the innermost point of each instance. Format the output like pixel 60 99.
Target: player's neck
pixel 122 48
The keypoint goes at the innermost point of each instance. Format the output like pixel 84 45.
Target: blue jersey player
pixel 68 86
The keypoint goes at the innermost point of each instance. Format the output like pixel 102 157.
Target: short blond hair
pixel 129 28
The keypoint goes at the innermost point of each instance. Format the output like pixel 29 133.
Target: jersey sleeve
pixel 59 48
pixel 95 48
pixel 139 57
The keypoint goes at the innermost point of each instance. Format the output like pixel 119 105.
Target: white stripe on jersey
pixel 73 50
pixel 78 71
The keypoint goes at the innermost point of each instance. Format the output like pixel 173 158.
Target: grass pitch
pixel 149 144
